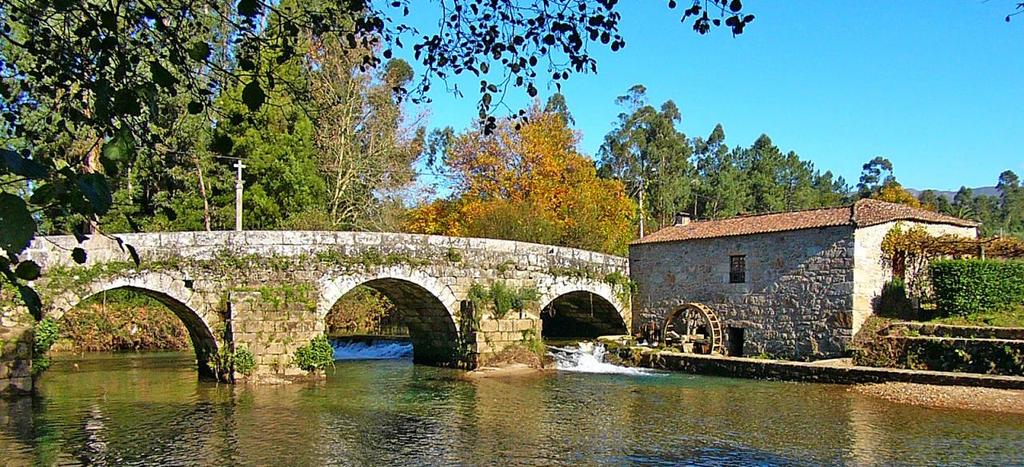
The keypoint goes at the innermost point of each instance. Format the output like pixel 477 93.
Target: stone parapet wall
pixel 55 250
pixel 795 303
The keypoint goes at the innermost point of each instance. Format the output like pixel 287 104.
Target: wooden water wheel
pixel 697 324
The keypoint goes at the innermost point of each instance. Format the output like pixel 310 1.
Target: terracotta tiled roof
pixel 863 213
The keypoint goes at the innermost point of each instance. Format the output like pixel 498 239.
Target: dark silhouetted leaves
pixel 199 51
pixel 78 254
pixel 46 193
pixel 27 270
pixel 117 151
pixel 95 188
pixel 162 76
pixel 248 8
pixel 19 165
pixel 31 300
pixel 253 96
pixel 222 144
pixel 17 228
pixel 134 254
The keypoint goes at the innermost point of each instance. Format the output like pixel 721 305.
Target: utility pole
pixel 238 196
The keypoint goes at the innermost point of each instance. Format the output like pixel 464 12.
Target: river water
pixel 149 409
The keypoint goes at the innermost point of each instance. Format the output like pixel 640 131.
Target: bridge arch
pixel 425 304
pixel 188 305
pixel 582 309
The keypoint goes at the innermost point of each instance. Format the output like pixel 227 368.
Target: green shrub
pixel 315 356
pixel 245 361
pixel 893 302
pixel 46 333
pixel 502 298
pixel 966 286
pixel 225 361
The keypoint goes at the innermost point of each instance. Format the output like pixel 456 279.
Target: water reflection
pixel 150 409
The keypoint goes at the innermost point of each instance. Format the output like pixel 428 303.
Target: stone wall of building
pixel 872 272
pixel 797 299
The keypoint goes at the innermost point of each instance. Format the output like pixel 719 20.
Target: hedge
pixel 966 286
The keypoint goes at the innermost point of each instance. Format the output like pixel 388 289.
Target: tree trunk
pixel 202 193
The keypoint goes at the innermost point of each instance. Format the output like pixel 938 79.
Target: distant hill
pixel 978 191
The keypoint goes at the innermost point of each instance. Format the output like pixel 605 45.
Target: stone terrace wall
pixel 796 302
pixel 968 355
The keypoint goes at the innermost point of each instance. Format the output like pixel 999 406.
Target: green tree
pixel 650 156
pixel 830 191
pixel 929 200
pixel 797 178
pixel 720 191
pixel 963 203
pixel 556 104
pixel 1011 202
pixel 876 173
pixel 764 163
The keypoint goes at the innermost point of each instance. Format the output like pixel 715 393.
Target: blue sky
pixel 936 86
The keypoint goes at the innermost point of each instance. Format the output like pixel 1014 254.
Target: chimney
pixel 682 218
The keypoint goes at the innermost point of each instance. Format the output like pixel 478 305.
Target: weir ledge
pixel 784 370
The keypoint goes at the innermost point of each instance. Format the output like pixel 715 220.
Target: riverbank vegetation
pixel 120 320
pixel 365 311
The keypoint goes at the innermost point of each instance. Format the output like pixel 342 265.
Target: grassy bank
pixel 1007 318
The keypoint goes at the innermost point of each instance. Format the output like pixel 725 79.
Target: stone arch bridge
pixel 269 291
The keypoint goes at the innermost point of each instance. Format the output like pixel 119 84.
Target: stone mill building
pixel 793 285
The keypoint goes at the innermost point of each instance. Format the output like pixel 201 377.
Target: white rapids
pixel 380 350
pixel 588 357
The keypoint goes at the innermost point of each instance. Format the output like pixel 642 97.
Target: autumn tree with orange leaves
pixel 528 184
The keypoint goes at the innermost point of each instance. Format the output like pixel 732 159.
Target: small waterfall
pixel 588 357
pixel 372 350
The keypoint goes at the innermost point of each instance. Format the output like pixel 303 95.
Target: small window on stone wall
pixel 737 269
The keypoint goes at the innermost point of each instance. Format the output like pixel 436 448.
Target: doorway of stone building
pixel 735 341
